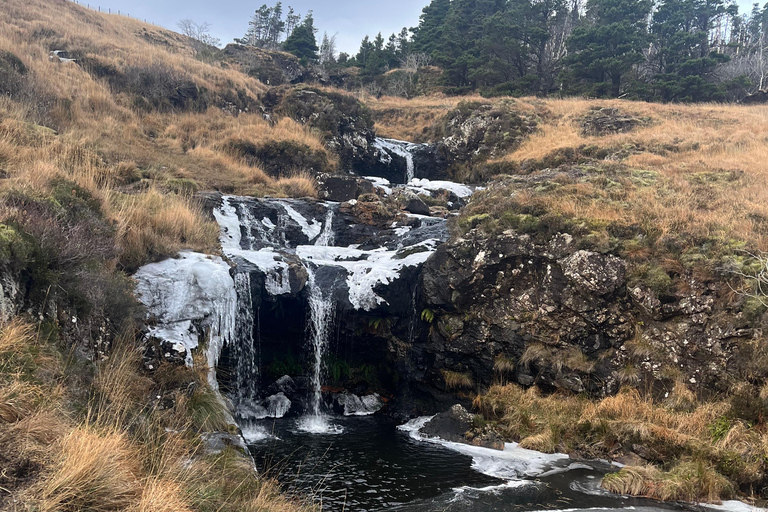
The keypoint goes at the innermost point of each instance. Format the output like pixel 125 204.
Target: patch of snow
pixel 380 183
pixel 733 506
pixel 512 463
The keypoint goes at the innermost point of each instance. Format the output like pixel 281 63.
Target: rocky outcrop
pixel 548 313
pixel 270 67
pixel 458 425
pixel 345 123
pixel 606 121
pixel 474 132
pixel 343 188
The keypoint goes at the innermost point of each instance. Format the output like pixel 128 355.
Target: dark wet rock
pixel 285 385
pixel 451 425
pixel 344 188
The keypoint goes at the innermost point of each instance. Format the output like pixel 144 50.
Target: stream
pixel 377 464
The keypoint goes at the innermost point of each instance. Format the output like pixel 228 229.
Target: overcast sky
pixel 350 20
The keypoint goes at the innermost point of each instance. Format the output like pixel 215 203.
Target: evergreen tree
pixel 302 42
pixel 610 44
pixel 428 35
pixel 683 58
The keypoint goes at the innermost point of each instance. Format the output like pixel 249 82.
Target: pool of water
pixel 370 464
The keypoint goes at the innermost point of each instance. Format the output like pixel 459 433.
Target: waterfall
pixel 245 349
pixel 327 236
pixel 399 148
pixel 322 310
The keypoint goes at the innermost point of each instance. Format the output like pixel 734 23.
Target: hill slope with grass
pixel 102 161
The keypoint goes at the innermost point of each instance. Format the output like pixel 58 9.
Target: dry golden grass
pixel 709 159
pixel 156 225
pixel 692 443
pixel 457 380
pixel 134 162
pixel 398 118
pixel 93 471
pixel 121 455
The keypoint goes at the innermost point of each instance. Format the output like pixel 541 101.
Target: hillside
pixel 111 162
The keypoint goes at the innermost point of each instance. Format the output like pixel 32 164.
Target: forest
pixel 664 50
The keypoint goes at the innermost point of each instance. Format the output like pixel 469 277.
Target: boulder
pixel 344 188
pixel 417 206
pixel 451 425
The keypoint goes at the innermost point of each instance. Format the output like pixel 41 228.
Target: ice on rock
pixel 381 183
pixel 277 405
pixel 511 463
pixel 365 269
pixel 187 295
pixel 310 228
pixel 229 224
pixel 360 405
pixel 425 186
pixel 400 148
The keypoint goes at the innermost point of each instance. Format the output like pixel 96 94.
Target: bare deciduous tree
pixel 200 32
pixel 412 62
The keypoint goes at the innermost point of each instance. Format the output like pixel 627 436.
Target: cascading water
pixel 322 308
pixel 275 241
pixel 400 148
pixel 246 352
pixel 327 236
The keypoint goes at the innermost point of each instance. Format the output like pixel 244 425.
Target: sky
pixel 349 20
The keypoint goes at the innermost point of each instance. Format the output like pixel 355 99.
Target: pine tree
pixel 302 42
pixel 610 44
pixel 683 58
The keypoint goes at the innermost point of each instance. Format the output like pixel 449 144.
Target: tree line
pixel 663 50
pixel 656 50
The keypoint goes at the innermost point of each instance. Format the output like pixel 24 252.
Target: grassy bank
pixel 693 450
pixel 81 436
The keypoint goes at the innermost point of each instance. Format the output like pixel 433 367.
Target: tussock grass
pixel 119 452
pixel 695 452
pixel 503 364
pixel 708 159
pixel 457 380
pixel 154 225
pixel 298 185
pixel 93 471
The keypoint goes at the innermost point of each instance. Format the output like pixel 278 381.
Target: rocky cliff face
pixel 547 313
